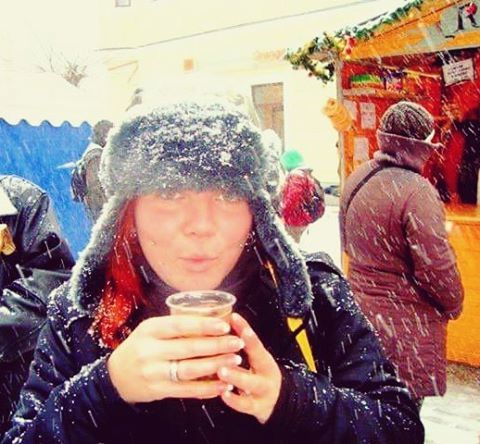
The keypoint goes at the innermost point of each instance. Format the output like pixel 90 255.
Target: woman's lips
pixel 198 264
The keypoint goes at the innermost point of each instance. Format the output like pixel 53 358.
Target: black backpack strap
pixel 359 185
pixel 362 183
pixel 354 192
pixel 372 173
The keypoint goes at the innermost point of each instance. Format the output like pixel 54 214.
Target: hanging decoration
pixel 394 80
pixel 323 70
pixel 350 43
pixel 366 81
pixel 338 115
pixel 341 44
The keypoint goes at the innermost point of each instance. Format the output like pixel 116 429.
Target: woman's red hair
pixel 122 292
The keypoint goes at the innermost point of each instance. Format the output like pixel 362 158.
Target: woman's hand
pixel 140 366
pixel 259 386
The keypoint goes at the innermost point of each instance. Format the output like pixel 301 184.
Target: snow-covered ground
pixel 454 418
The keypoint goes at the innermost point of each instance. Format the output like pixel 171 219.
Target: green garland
pixel 333 46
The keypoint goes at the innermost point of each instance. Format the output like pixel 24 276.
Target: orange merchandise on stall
pixel 426 51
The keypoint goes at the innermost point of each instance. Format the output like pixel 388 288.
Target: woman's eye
pixel 170 195
pixel 229 198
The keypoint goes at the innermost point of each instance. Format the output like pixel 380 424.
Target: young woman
pixel 188 209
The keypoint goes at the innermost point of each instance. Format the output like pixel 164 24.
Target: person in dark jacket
pixel 85 183
pixel 401 267
pixel 34 260
pixel 113 366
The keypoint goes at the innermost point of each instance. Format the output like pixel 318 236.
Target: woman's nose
pixel 200 218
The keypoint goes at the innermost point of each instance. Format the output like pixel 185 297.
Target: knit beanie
pixel 407 119
pixel 403 135
pixel 200 144
pixel 292 159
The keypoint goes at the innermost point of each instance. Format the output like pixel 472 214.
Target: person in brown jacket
pixel 401 266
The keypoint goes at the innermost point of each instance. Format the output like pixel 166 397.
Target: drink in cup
pixel 218 304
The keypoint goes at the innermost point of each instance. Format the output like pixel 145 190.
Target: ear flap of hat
pixel 295 289
pixel 92 261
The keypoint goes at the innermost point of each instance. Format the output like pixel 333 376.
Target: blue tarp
pixel 35 153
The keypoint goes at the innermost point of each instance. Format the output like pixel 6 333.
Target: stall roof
pixel 38 97
pixel 414 27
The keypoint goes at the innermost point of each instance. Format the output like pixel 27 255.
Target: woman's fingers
pixel 260 386
pixel 186 337
pixel 258 394
pixel 188 348
pixel 139 367
pixel 190 389
pixel 260 360
pixel 244 380
pixel 166 327
pixel 242 404
pixel 190 369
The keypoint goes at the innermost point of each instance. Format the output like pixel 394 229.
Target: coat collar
pixel 404 151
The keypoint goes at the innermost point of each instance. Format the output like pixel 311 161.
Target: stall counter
pixel 463 224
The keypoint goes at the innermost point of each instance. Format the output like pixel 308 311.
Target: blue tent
pixel 39 154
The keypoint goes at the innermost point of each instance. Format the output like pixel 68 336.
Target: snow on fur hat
pixel 194 144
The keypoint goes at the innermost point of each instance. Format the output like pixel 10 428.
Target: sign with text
pixel 458 72
pixel 368 115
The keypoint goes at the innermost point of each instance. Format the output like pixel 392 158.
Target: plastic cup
pixel 218 304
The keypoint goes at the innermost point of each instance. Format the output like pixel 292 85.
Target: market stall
pixel 427 51
pixel 45 126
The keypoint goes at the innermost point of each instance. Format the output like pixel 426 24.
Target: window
pixel 119 3
pixel 268 101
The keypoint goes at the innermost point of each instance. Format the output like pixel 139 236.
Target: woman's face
pixel 192 240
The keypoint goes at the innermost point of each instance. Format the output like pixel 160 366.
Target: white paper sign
pixel 360 149
pixel 458 72
pixel 368 115
pixel 352 109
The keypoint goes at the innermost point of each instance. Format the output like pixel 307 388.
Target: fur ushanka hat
pixel 199 145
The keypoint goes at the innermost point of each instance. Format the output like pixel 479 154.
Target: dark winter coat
pixel 40 250
pixel 354 397
pixel 401 267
